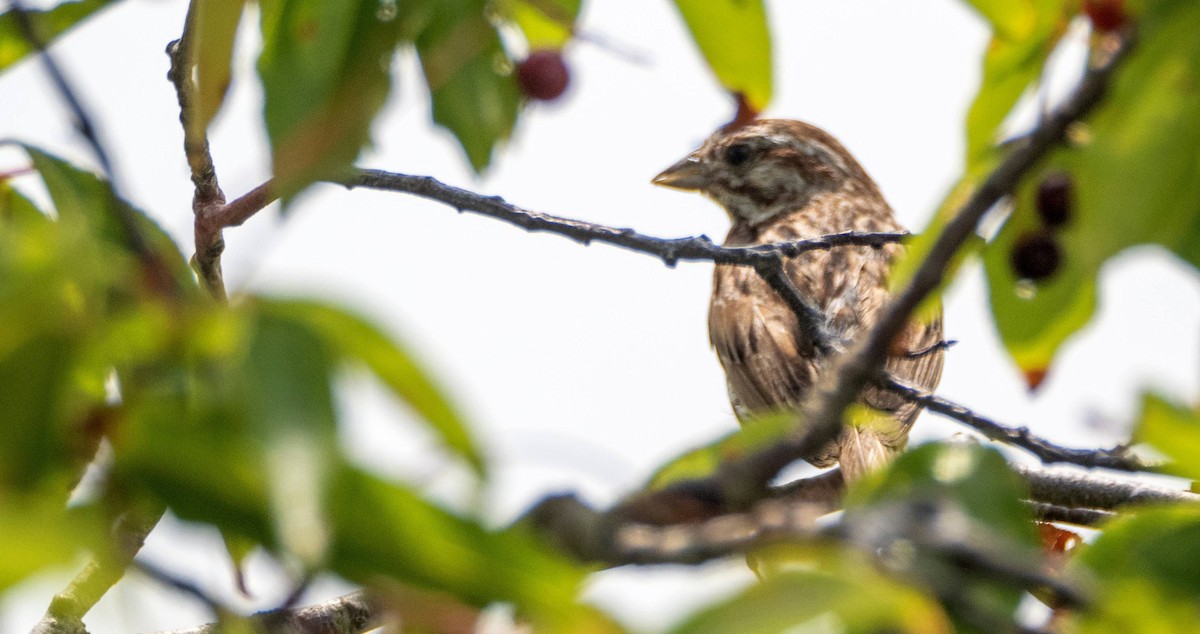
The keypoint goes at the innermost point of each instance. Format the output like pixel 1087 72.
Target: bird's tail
pixel 861 450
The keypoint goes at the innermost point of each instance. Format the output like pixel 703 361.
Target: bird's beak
pixel 690 174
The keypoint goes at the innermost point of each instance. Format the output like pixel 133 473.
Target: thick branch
pixel 1117 458
pixel 349 614
pixel 822 413
pixel 1079 490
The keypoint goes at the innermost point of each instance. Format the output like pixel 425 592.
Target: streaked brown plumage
pixel 783 180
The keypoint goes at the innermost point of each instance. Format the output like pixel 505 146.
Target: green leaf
pixel 185 440
pixel 546 24
pixel 81 196
pixel 1174 431
pixel 214 24
pixel 850 600
pixel 973 480
pixel 1136 180
pixel 325 68
pixel 1024 34
pixel 15 208
pixel 735 41
pixel 703 461
pixel 353 339
pixel 33 381
pixel 465 66
pixel 288 401
pixel 977 478
pixel 38 531
pixel 1147 569
pixel 385 529
pixel 49 23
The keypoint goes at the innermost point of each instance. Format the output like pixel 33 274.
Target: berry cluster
pixel 1036 255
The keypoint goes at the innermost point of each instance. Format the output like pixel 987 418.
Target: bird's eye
pixel 737 154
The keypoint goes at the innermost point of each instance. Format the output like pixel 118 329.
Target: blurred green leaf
pixel 735 41
pixel 288 401
pixel 466 69
pixel 355 340
pixel 186 440
pixel 848 600
pixel 38 531
pixel 1136 179
pixel 214 24
pixel 325 69
pixel 1174 431
pixel 385 529
pixel 33 379
pixel 1024 32
pixel 50 23
pixel 546 24
pixel 80 195
pixel 970 479
pixel 16 208
pixel 1147 570
pixel 703 461
pixel 976 478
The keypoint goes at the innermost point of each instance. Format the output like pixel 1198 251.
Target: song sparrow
pixel 783 180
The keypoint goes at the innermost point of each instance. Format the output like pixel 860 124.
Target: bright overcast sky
pixel 583 368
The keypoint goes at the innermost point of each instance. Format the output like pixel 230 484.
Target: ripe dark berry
pixel 1055 196
pixel 1035 256
pixel 543 75
pixel 1106 15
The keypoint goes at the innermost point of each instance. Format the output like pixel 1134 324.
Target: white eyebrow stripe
pixel 810 147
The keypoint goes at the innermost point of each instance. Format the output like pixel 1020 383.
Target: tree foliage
pixel 223 412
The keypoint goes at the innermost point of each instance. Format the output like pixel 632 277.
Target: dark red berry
pixel 1035 256
pixel 1055 196
pixel 543 75
pixel 1106 15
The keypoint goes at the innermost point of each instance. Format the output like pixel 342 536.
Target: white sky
pixel 583 368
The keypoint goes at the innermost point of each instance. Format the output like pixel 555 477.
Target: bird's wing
pixel 754 336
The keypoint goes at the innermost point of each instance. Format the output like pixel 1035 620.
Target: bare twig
pixel 1116 458
pixel 207 197
pixel 669 250
pixel 183 585
pixel 810 318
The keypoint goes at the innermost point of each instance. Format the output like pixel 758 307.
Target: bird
pixel 782 180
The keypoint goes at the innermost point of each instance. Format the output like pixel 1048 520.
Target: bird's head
pixel 767 167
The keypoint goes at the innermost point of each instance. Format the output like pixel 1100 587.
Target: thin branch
pixel 207 197
pixel 182 585
pixel 810 318
pixel 1117 458
pixel 669 250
